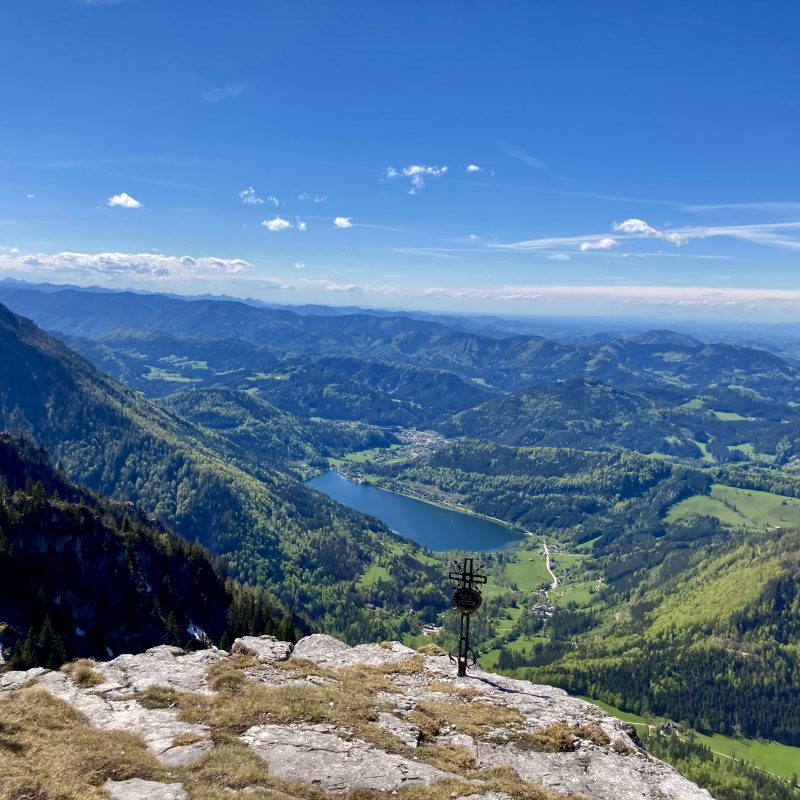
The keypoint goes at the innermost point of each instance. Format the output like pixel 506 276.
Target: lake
pixel 432 526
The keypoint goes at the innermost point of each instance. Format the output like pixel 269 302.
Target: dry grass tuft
pixel 449 759
pixel 430 649
pixel 83 673
pixel 414 665
pixel 474 718
pixel 158 697
pixel 467 692
pixel 189 737
pixel 299 668
pixel 559 737
pixel 507 781
pixel 226 678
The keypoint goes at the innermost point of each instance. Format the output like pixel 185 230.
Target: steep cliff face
pixel 316 720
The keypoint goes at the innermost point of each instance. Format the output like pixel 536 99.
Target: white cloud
pixel 302 225
pixel 343 222
pixel 274 200
pixel 558 257
pixel 123 200
pixel 298 265
pixel 606 243
pixel 30 196
pixel 473 237
pixel 140 266
pixel 417 173
pixel 317 198
pixel 634 227
pixel 276 224
pixel 227 92
pixel 249 197
pixel 474 168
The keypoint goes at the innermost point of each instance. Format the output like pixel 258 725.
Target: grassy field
pixel 704 450
pixel 729 416
pixel 778 759
pixel 747 507
pixel 373 575
pixel 529 571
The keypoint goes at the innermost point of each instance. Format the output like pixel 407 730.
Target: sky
pixel 538 157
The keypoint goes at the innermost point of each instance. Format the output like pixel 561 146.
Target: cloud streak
pixel 227 92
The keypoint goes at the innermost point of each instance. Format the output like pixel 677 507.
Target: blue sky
pixel 527 157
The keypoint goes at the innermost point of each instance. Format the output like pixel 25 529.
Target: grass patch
pixel 374 574
pixel 744 507
pixel 48 751
pixel 560 738
pixel 473 718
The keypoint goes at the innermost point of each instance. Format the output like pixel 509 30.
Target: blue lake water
pixel 433 527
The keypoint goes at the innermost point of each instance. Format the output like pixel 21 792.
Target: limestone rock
pixel 160 666
pixel 333 654
pixel 16 679
pixel 137 789
pixel 314 753
pixel 265 648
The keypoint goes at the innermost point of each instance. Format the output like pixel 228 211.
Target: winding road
pixel 554 584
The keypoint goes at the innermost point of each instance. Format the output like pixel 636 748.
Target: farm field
pixel 741 507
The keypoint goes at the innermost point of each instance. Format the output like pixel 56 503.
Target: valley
pixel 635 500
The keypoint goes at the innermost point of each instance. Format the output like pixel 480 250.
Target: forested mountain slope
pixel 81 576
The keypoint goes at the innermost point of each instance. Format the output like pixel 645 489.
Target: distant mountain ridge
pixel 655 358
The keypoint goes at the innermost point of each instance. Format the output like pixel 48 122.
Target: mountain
pixel 266 433
pixel 581 413
pixel 654 359
pixel 272 531
pixel 83 576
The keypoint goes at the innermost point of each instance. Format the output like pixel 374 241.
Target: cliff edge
pixel 314 720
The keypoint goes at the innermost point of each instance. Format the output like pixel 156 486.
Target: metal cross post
pixel 467 599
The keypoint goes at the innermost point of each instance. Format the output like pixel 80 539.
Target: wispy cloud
pixel 226 92
pixel 525 157
pixel 277 224
pixel 417 174
pixel 317 198
pixel 96 3
pixel 123 200
pixel 249 197
pixel 790 206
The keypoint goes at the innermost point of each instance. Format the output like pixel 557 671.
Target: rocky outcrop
pixel 389 718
